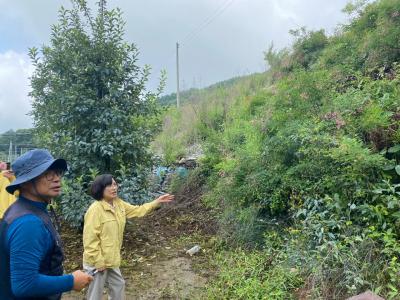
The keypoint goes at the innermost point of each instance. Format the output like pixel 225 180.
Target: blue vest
pixel 52 262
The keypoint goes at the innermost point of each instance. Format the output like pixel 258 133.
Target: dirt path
pixel 154 260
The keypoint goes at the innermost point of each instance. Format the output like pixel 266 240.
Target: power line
pixel 207 21
pixel 191 35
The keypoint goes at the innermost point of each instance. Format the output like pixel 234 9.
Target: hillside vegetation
pixel 21 141
pixel 302 163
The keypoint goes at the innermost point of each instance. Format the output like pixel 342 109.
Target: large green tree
pixel 90 101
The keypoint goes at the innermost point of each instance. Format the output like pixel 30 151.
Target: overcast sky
pixel 219 39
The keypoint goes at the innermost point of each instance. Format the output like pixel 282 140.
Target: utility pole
pixel 10 152
pixel 177 75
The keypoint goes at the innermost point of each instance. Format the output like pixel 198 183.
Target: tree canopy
pixel 90 102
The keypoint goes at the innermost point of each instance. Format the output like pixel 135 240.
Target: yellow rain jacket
pixel 104 228
pixel 6 199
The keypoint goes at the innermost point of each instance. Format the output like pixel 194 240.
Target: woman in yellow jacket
pixel 6 199
pixel 103 232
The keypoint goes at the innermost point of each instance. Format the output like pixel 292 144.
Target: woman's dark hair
pixel 99 184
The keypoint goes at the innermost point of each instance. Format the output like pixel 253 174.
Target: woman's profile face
pixel 110 191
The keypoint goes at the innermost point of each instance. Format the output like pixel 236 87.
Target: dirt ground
pixel 154 260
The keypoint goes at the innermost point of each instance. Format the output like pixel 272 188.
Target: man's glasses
pixel 50 175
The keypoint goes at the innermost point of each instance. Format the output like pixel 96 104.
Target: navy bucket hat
pixel 31 165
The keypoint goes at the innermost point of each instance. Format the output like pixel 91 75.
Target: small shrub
pixel 252 275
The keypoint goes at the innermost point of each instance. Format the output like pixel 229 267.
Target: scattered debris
pixel 193 250
pixel 189 162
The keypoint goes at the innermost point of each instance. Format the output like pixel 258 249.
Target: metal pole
pixel 10 152
pixel 177 75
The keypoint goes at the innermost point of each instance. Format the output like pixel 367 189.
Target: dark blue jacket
pixel 31 255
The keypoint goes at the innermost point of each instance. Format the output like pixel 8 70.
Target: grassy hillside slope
pixel 303 164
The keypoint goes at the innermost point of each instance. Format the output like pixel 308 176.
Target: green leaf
pixel 394 149
pixel 396 215
pixel 377 191
pixel 397 168
pixel 388 167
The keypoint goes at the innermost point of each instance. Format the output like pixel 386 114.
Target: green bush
pixel 252 275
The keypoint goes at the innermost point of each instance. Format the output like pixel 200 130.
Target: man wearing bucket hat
pixel 31 254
